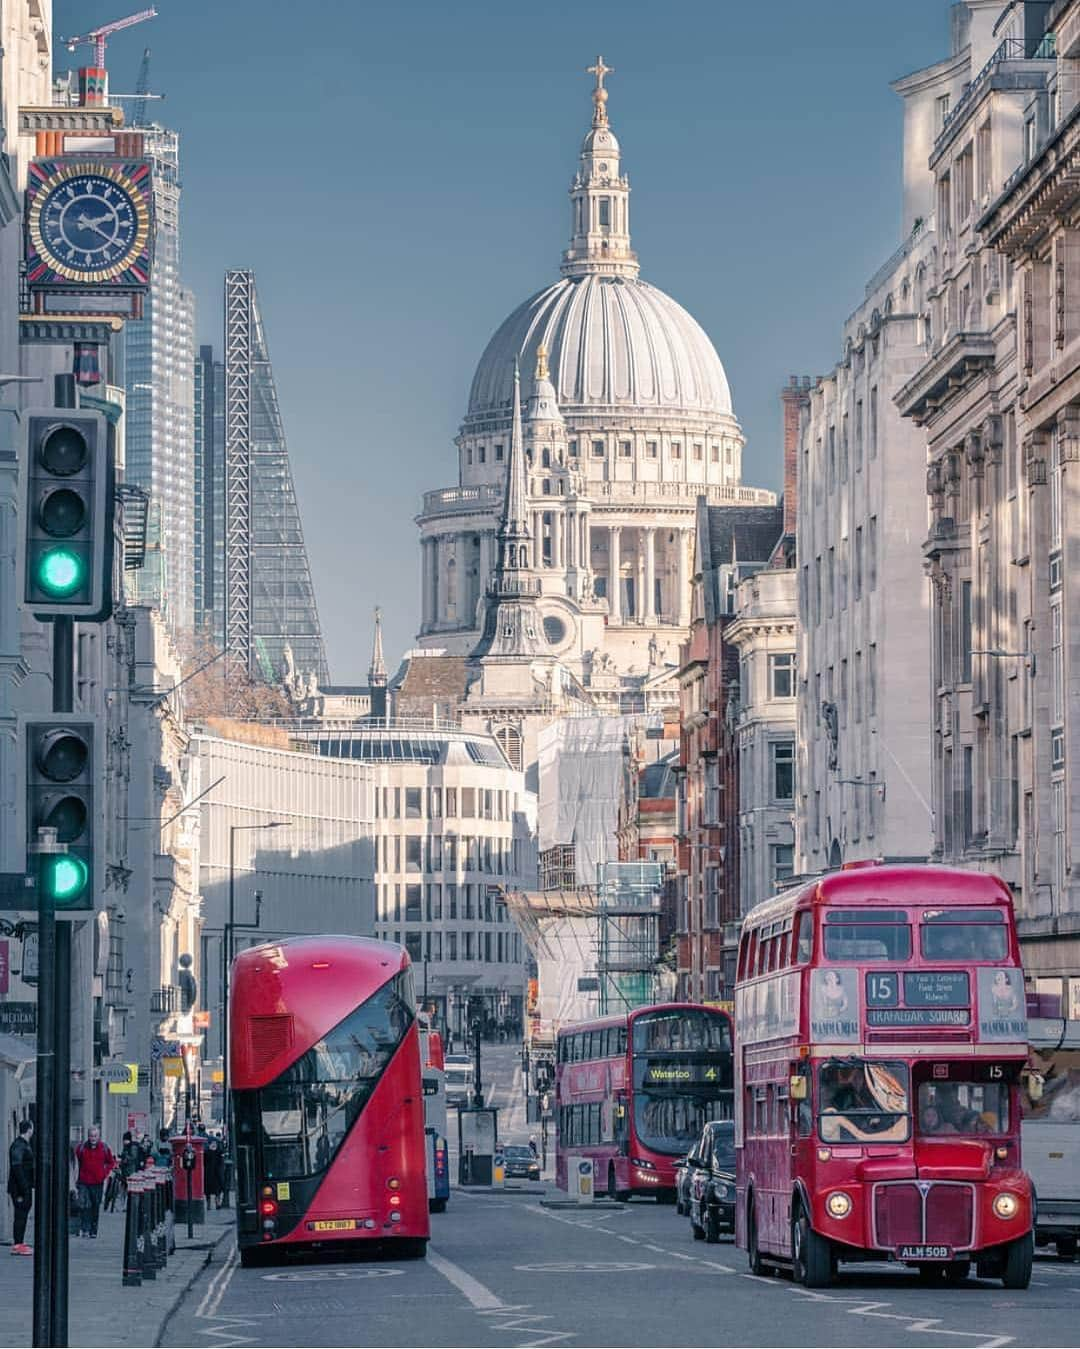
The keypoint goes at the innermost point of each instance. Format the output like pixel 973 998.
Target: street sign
pixel 174 1066
pixel 29 971
pixel 17 890
pixel 18 1018
pixel 123 1078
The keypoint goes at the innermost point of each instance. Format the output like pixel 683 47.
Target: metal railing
pixel 165 999
pixel 920 228
pixel 1009 49
pixel 449 500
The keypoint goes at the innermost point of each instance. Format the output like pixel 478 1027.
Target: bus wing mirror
pixel 1034 1086
pixel 797 1087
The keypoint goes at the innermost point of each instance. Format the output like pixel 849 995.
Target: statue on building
pixel 831 717
pixel 188 985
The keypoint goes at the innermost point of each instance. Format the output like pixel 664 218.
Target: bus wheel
pixel 1018 1258
pixel 612 1190
pixel 753 1255
pixel 1066 1247
pixel 251 1257
pixel 811 1254
pixel 411 1248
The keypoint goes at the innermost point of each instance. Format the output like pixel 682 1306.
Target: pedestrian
pixel 146 1151
pixel 95 1162
pixel 532 1146
pixel 214 1170
pixel 21 1184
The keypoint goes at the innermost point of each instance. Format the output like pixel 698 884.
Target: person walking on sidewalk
pixel 95 1163
pixel 21 1184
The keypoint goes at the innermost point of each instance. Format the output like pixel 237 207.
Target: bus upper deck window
pixel 964 934
pixel 868 935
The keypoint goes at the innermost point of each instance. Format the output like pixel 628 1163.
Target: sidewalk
pixel 101 1311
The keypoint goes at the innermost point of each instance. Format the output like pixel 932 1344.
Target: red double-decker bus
pixel 880 1015
pixel 633 1093
pixel 327 1103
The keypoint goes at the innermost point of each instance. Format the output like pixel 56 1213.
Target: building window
pixel 963 655
pixel 856 579
pixel 783 769
pixel 413 808
pixel 605 212
pixel 716 454
pixel 651 448
pixel 782 675
pixel 697 452
pixel 626 448
pixel 676 450
pixel 414 847
pixel 498 454
pixel 944 205
pixel 598 449
pixel 941 111
pixel 873 429
pixel 573 449
pixel 871 561
pixel 965 183
pixel 871 675
pixel 783 862
pixel 508 739
pixel 481 454
pixel 858 434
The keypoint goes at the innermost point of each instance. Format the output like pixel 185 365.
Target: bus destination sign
pixel 917 1016
pixel 677 1074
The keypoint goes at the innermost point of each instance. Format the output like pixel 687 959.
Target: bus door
pixel 622 1126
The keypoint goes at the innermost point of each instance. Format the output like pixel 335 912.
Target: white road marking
pixel 630 1241
pixel 217 1286
pixel 714 1264
pixel 482 1298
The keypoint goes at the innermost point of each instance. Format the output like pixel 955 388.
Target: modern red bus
pixel 633 1093
pixel 882 1030
pixel 327 1104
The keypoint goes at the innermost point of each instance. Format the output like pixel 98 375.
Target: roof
pixel 743 533
pixel 431 679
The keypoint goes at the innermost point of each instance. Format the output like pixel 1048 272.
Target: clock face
pixel 87 223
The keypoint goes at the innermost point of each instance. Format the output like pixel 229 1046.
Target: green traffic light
pixel 60 572
pixel 64 877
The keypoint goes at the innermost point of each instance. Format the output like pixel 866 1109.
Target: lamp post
pixel 228 936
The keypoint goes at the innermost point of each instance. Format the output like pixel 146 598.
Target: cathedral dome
pixel 613 342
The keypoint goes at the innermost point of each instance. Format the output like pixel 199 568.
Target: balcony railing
pixel 1010 49
pixel 488 497
pixel 165 999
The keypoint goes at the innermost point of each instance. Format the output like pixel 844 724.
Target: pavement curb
pixel 573 1203
pixel 174 1306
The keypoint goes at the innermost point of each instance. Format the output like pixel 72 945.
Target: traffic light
pixel 60 795
pixel 68 533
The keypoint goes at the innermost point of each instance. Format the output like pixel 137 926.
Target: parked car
pixel 711 1182
pixel 682 1186
pixel 459 1081
pixel 521 1162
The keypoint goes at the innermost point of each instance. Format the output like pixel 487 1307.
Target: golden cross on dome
pixel 600 70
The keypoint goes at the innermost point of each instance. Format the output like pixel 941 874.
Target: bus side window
pixel 804 936
pixel 804 1109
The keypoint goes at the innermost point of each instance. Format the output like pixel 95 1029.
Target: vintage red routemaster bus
pixel 881 1026
pixel 327 1103
pixel 633 1093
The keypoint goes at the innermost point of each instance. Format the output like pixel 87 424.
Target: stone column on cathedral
pixel 571 538
pixel 538 538
pixel 487 559
pixel 648 609
pixel 682 577
pixel 614 575
pixel 557 559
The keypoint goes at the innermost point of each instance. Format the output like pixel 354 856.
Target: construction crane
pixel 97 36
pixel 142 86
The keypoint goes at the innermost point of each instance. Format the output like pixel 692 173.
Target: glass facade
pixel 283 612
pixel 159 420
pixel 209 514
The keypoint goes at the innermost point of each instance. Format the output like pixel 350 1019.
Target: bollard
pixel 132 1252
pixel 162 1232
pixel 146 1227
pixel 170 1216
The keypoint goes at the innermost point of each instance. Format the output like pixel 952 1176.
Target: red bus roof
pixel 888 883
pixel 286 995
pixel 602 1023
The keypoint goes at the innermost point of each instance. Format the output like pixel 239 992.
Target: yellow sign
pixel 126 1084
pixel 218 1075
pixel 173 1067
pixel 283 1191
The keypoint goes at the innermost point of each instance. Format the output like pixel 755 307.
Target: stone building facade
pixel 1000 403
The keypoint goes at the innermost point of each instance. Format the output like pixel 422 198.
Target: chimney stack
pixel 793 397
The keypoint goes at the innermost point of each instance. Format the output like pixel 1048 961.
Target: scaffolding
pixel 628 934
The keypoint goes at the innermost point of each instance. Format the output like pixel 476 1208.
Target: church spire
pixel 512 625
pixel 514 527
pixel 600 198
pixel 377 668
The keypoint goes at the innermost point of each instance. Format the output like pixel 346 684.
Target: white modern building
pixel 628 419
pixel 452 829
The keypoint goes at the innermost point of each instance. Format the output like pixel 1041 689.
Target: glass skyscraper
pixel 268 596
pixel 159 421
pixel 210 496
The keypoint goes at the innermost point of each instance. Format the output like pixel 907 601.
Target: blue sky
pixel 396 174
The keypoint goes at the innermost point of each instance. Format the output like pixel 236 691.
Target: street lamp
pixel 230 927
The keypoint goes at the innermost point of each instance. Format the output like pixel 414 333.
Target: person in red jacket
pixel 95 1163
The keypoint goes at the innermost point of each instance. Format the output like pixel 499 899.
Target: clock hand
pixel 84 222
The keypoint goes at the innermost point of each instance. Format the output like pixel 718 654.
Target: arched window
pixel 508 738
pixel 545 459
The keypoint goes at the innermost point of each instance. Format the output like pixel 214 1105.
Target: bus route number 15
pixel 882 990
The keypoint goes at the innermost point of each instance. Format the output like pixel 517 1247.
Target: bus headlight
pixel 838 1204
pixel 1006 1205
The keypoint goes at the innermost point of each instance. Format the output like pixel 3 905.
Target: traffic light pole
pixel 47 1180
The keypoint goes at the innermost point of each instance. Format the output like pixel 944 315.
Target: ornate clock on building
pixel 88 223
